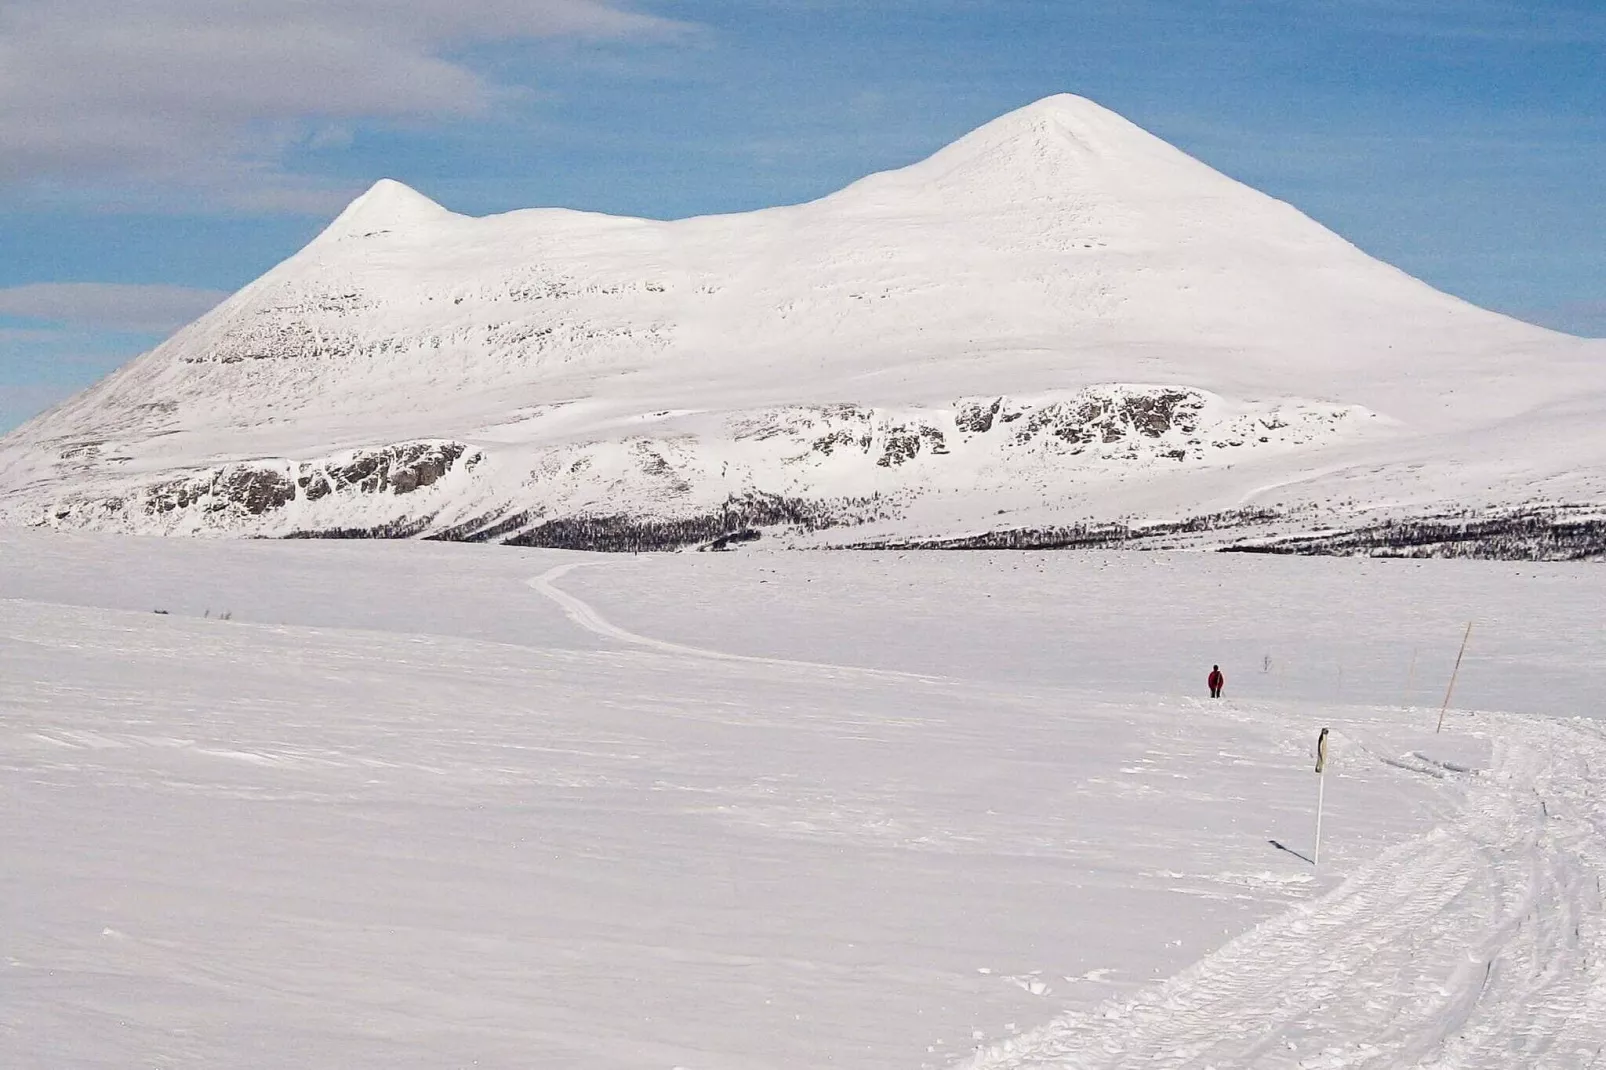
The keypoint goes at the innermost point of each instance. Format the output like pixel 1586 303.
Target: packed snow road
pixel 429 806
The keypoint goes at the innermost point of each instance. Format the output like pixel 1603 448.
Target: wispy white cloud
pixel 211 94
pixel 149 309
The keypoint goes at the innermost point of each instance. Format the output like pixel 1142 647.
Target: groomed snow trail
pixel 1478 945
pixel 581 612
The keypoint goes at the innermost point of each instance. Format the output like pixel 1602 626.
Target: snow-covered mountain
pixel 1058 329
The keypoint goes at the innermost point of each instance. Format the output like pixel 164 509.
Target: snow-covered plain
pixel 429 805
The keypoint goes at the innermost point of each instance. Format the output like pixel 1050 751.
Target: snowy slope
pixel 1057 319
pixel 770 811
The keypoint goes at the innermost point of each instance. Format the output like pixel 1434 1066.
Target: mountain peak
pixel 387 205
pixel 1061 107
pixel 1076 118
pixel 1062 146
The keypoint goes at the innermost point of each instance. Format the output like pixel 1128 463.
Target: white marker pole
pixel 1321 791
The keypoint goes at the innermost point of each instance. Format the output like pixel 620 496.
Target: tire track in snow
pixel 583 614
pixel 1477 946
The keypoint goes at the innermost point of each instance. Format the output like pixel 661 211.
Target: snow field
pixel 1344 631
pixel 422 805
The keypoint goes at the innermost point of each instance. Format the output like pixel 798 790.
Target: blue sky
pixel 154 156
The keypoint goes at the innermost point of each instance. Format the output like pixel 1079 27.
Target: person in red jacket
pixel 1216 681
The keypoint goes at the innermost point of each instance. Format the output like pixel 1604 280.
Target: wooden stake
pixel 1453 674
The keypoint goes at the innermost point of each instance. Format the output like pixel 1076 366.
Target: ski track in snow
pixel 582 613
pixel 1477 945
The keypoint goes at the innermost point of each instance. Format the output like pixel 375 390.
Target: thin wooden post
pixel 1453 674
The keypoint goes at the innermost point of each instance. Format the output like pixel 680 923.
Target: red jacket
pixel 1215 679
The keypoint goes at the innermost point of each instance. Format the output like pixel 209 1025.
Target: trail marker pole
pixel 1453 674
pixel 1321 791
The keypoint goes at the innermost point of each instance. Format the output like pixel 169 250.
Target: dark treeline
pixel 1086 535
pixel 395 529
pixel 739 519
pixel 488 528
pixel 1550 535
pixel 1557 534
pixel 1538 536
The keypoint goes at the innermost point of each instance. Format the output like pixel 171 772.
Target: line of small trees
pixel 738 519
pixel 1533 536
pixel 393 529
pixel 1085 535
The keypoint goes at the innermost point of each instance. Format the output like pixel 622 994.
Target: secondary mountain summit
pixel 1057 330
